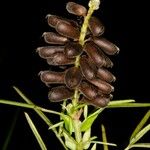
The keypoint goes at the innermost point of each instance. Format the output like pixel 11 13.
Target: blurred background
pixel 22 24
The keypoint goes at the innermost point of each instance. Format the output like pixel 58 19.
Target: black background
pixel 22 24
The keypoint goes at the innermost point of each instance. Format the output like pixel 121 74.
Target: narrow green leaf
pixel 94 147
pixel 56 125
pixel 22 95
pixel 20 104
pixel 86 139
pixel 30 105
pixel 85 112
pixel 140 125
pixel 87 123
pixel 140 134
pixel 10 131
pixel 127 105
pixel 42 115
pixel 104 138
pixel 103 143
pixel 141 145
pixel 35 132
pixel 68 123
pixel 69 140
pixel 118 102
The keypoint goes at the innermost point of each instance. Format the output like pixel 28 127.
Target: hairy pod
pixel 107 46
pixel 87 69
pixel 54 38
pixel 49 51
pixel 60 59
pixel 51 77
pixel 98 57
pixel 59 93
pixel 105 75
pixel 100 101
pixel 96 26
pixel 72 49
pixel 88 90
pixel 103 86
pixel 76 9
pixel 53 20
pixel 68 30
pixel 73 77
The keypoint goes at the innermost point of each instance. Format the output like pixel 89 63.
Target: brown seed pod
pixel 87 69
pixel 59 93
pixel 53 20
pixel 105 75
pixel 76 9
pixel 100 101
pixel 51 77
pixel 88 90
pixel 108 47
pixel 60 59
pixel 68 30
pixel 96 26
pixel 73 77
pixel 54 38
pixel 49 51
pixel 72 49
pixel 103 86
pixel 98 57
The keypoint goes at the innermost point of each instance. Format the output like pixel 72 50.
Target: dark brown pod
pixel 73 77
pixel 49 51
pixel 88 90
pixel 72 49
pixel 68 30
pixel 108 47
pixel 96 26
pixel 59 93
pixel 87 69
pixel 51 77
pixel 98 57
pixel 105 75
pixel 100 101
pixel 60 59
pixel 53 20
pixel 103 86
pixel 76 9
pixel 54 38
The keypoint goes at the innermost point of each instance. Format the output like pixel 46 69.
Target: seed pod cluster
pixel 92 77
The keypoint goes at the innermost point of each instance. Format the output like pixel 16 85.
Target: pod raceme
pixel 92 76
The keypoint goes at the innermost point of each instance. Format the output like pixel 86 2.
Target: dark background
pixel 22 24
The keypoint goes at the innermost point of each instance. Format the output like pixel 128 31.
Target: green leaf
pixel 104 137
pixel 42 116
pixel 22 95
pixel 68 123
pixel 87 123
pixel 140 134
pixel 56 125
pixel 85 112
pixel 141 145
pixel 10 131
pixel 35 132
pixel 94 147
pixel 69 141
pixel 86 139
pixel 118 102
pixel 127 105
pixel 20 104
pixel 140 125
pixel 103 143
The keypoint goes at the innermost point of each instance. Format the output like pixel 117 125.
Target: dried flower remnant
pixel 90 77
